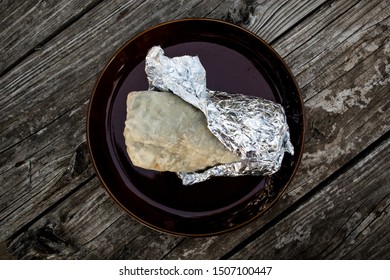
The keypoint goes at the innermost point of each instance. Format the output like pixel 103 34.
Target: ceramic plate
pixel 236 61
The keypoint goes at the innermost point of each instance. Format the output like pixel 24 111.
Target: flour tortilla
pixel 164 133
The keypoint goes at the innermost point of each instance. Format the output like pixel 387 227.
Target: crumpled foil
pixel 253 128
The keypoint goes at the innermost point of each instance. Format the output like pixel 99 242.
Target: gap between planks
pixel 299 22
pixel 334 176
pixel 50 208
pixel 50 37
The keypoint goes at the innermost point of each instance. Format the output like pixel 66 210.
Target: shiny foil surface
pixel 253 128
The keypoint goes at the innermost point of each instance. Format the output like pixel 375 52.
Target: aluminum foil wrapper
pixel 253 128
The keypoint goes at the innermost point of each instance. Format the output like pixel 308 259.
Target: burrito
pixel 181 126
pixel 165 133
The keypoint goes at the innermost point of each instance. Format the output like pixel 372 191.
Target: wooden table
pixel 53 206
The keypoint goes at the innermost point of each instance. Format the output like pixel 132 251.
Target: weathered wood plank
pixel 270 19
pixel 27 24
pixel 62 73
pixel 33 113
pixel 359 29
pixel 38 170
pixel 104 232
pixel 29 87
pixel 4 255
pixel 43 172
pixel 216 246
pixel 334 135
pixel 339 221
pixel 43 162
pixel 29 155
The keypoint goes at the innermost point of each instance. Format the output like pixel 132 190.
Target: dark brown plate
pixel 235 61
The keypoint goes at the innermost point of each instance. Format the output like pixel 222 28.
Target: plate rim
pixel 258 214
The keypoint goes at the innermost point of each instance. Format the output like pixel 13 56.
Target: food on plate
pixel 165 133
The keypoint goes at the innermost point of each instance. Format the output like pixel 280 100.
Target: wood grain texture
pixel 95 229
pixel 346 219
pixel 44 102
pixel 54 164
pixel 27 25
pixel 332 138
pixel 76 57
pixel 270 19
pixel 52 206
pixel 66 67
